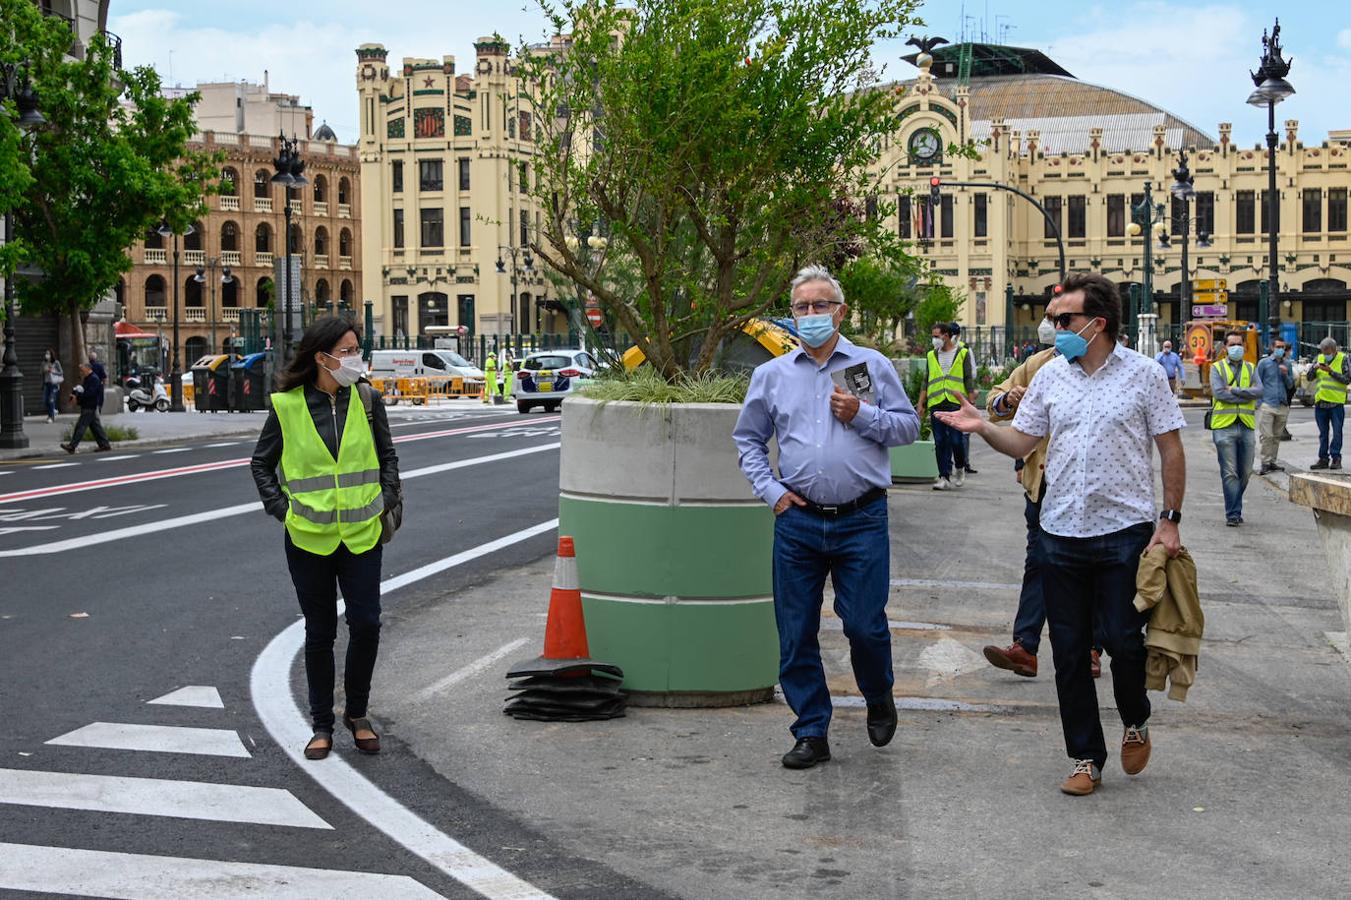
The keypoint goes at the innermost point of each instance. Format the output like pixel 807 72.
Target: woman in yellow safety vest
pixel 338 473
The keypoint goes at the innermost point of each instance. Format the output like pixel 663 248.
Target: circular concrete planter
pixel 673 551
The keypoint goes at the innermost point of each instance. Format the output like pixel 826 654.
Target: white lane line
pixel 134 876
pixel 138 477
pixel 212 515
pixel 470 670
pixel 966 585
pixel 270 686
pixel 156 797
pixel 155 739
pixel 171 450
pixel 201 695
pixel 65 465
pixel 116 458
pixel 222 444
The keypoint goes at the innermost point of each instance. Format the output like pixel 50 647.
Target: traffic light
pixel 935 192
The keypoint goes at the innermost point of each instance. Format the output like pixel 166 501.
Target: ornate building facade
pixel 446 158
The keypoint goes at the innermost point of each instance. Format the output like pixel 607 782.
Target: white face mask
pixel 349 370
pixel 1046 332
pixel 938 343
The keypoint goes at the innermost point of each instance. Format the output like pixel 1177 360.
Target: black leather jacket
pixel 329 415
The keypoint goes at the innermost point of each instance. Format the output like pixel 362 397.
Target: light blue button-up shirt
pixel 820 457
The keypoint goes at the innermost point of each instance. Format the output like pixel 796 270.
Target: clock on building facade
pixel 925 146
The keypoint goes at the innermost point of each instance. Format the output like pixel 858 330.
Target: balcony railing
pixel 344 210
pixel 321 207
pixel 262 204
pixel 156 313
pixel 230 314
pixel 231 258
pixel 194 257
pixel 262 259
pixel 344 262
pixel 155 256
pixel 229 203
pixel 321 260
pixel 194 314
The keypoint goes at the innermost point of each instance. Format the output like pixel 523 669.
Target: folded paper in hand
pixel 856 380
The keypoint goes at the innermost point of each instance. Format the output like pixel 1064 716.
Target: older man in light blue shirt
pixel 834 408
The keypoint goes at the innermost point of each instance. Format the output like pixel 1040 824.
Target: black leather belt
pixel 842 509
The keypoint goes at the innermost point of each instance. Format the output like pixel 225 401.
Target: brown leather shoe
pixel 1083 780
pixel 363 735
pixel 1135 750
pixel 1095 663
pixel 1012 658
pixel 319 745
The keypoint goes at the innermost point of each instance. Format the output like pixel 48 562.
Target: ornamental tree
pixel 698 150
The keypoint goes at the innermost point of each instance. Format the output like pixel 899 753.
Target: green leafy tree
pixel 109 163
pixel 940 303
pixel 881 293
pixel 708 142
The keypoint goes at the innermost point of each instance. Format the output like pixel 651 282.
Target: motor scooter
pixel 138 396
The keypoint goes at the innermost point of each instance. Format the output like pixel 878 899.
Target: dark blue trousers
pixel 1031 615
pixel 948 447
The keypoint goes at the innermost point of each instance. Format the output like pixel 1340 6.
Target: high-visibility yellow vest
pixel 332 501
pixel 1330 390
pixel 1223 414
pixel 950 386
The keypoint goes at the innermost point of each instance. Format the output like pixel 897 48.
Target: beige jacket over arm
pixel 1034 464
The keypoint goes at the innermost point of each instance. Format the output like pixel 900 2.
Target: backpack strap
pixel 367 400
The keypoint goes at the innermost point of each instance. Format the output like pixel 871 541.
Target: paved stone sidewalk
pixel 1246 795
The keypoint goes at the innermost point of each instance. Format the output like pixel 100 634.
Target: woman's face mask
pixel 349 370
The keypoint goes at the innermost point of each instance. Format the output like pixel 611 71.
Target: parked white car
pixel 544 378
pixel 423 363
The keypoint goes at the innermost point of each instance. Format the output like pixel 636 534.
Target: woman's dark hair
pixel 1101 299
pixel 321 337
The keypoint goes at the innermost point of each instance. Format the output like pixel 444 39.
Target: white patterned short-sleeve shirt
pixel 1100 459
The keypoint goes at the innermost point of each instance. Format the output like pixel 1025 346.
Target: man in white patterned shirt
pixel 1104 407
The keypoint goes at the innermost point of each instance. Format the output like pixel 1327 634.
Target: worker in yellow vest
pixel 1234 392
pixel 508 374
pixel 490 378
pixel 951 376
pixel 1329 403
pixel 339 472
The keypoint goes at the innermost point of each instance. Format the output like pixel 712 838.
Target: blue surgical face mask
pixel 1278 353
pixel 816 330
pixel 1235 352
pixel 1072 344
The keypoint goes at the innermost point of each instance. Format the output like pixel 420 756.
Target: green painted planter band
pixel 914 462
pixel 715 646
pixel 659 550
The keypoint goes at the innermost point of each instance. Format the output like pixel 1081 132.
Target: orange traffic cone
pixel 565 629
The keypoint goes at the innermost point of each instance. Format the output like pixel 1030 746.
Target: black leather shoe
pixel 807 752
pixel 881 722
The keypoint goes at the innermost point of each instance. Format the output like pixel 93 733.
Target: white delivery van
pixel 423 364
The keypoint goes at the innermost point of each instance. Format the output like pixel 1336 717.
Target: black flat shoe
pixel 806 753
pixel 319 745
pixel 366 744
pixel 881 722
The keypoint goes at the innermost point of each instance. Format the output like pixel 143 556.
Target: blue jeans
pixel 948 446
pixel 49 394
pixel 855 551
pixel 1234 445
pixel 1329 419
pixel 1088 580
pixel 1031 615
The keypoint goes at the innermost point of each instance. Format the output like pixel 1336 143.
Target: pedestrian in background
pixel 951 376
pixel 89 395
pixel 1234 392
pixel 97 367
pixel 1172 366
pixel 830 506
pixel 1329 403
pixel 1278 383
pixel 1105 409
pixel 490 378
pixel 53 376
pixel 340 473
pixel 971 364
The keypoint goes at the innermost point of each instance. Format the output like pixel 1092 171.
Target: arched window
pixel 321 292
pixel 196 240
pixel 154 291
pixel 321 240
pixel 263 293
pixel 229 182
pixel 262 183
pixel 229 238
pixel 320 189
pixel 345 242
pixel 229 293
pixel 196 348
pixel 344 190
pixel 192 292
pixel 154 240
pixel 345 292
pixel 262 239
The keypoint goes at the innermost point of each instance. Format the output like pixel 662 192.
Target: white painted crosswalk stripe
pixel 116 458
pixel 204 696
pixel 156 797
pixel 64 465
pixel 155 739
pixel 58 870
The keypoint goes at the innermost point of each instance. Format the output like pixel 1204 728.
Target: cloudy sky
pixel 1191 58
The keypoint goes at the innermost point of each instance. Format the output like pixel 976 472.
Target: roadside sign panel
pixel 1210 310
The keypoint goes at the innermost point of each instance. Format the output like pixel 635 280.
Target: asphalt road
pixel 128 576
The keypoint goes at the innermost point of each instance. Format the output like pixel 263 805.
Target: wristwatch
pixel 1172 515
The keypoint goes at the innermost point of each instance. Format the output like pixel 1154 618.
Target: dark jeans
pixel 317 579
pixel 1329 419
pixel 854 550
pixel 1087 579
pixel 948 446
pixel 89 418
pixel 1031 615
pixel 50 393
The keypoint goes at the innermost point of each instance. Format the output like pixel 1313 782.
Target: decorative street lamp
pixel 1147 219
pixel 203 278
pixel 290 175
pixel 1183 190
pixel 1272 88
pixel 176 375
pixel 527 263
pixel 14 85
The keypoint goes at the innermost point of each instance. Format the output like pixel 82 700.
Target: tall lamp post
pixel 1147 219
pixel 1272 88
pixel 593 243
pixel 207 275
pixel 1183 190
pixel 290 175
pixel 16 87
pixel 176 374
pixel 527 263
